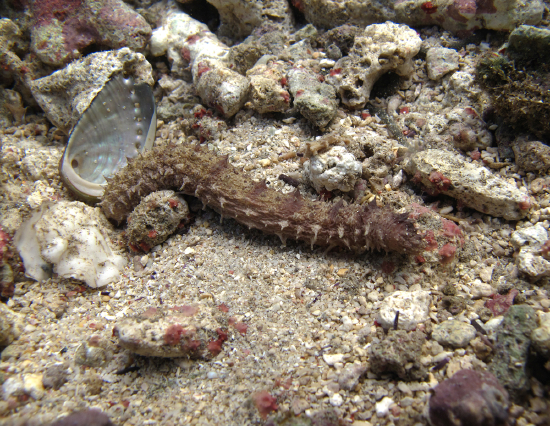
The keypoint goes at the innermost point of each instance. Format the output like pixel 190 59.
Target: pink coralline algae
pixel 61 29
pixel 500 303
pixel 265 403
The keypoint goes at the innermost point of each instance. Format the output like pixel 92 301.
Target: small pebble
pixel 332 359
pixel 336 400
pixel 383 407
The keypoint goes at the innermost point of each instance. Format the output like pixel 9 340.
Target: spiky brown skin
pixel 194 170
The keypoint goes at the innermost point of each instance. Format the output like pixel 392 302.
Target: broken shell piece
pixel 119 124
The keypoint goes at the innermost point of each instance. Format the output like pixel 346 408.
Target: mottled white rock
pixel 531 263
pixel 530 236
pixel 479 289
pixel 529 240
pixel 383 407
pixel 475 186
pixel 440 61
pixel 73 238
pixel 383 47
pixel 413 308
pixel 453 333
pixel 335 169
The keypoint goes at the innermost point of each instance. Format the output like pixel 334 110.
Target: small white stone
pixel 479 289
pixel 403 387
pixel 336 400
pixel 332 359
pixel 492 324
pixel 189 250
pixel 532 235
pixel 335 169
pixel 373 296
pixel 32 384
pixel 486 273
pixel 326 63
pixel 383 407
pixel 440 61
pixel 12 386
pixel 413 308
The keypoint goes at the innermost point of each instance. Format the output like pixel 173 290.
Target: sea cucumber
pixel 197 171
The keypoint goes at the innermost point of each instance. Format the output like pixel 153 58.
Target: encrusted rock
pixel 221 88
pixel 335 169
pixel 156 217
pixel 531 156
pixel 182 331
pixel 11 325
pixel 350 375
pixel 91 353
pixel 541 335
pixel 59 34
pixel 469 398
pixel 267 88
pixel 67 93
pixel 240 17
pixel 88 417
pixel 475 186
pixel 452 15
pixel 314 99
pixel 413 308
pixel 453 304
pixel 55 376
pixel 188 42
pixel 528 43
pixel 531 236
pixel 379 49
pixel 513 339
pixel 12 48
pixel 399 353
pixel 468 130
pixel 453 333
pixel 530 241
pixel 74 238
pixel 441 61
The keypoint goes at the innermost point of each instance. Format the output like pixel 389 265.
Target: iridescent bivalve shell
pixel 119 124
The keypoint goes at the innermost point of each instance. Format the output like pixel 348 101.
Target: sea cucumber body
pixel 197 171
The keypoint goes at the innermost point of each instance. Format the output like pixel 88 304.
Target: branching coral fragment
pixel 196 171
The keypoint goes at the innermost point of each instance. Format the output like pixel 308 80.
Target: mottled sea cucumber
pixel 197 171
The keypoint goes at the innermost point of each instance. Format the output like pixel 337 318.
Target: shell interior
pixel 119 124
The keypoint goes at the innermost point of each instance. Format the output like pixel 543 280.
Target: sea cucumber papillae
pixel 195 170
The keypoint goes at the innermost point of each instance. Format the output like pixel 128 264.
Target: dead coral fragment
pixel 194 170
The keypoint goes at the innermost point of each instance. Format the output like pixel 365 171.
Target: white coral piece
pixel 334 169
